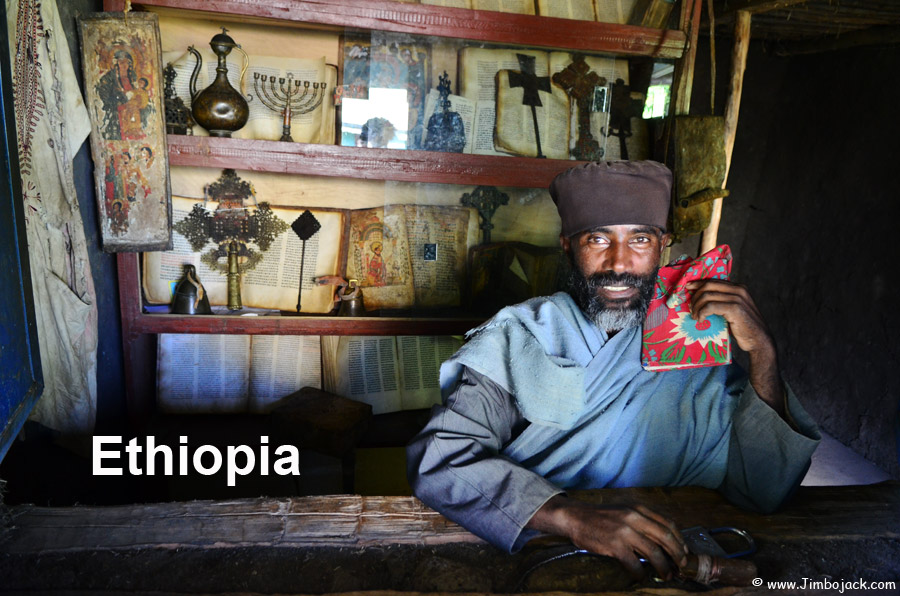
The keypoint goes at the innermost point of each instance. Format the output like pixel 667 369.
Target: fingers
pixel 734 303
pixel 719 297
pixel 666 534
pixel 626 533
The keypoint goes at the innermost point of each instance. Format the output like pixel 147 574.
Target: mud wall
pixel 811 219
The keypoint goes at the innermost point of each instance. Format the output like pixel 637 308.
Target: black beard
pixel 612 315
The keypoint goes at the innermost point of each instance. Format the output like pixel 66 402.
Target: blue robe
pixel 541 400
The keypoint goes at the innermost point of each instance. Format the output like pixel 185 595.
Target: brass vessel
pixel 219 108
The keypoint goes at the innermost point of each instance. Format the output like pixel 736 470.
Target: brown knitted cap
pixel 608 193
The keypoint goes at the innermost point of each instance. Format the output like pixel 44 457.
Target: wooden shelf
pixel 436 21
pixel 137 322
pixel 140 330
pixel 356 162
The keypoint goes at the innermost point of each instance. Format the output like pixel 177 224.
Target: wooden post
pixel 732 107
pixel 684 72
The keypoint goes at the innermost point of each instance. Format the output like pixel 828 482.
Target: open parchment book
pixel 233 373
pixel 410 255
pixel 478 68
pixel 514 6
pixel 605 11
pixel 402 255
pixel 514 131
pixel 389 373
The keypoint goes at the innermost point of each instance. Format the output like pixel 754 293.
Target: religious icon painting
pixel 124 94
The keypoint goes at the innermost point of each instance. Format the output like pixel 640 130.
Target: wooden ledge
pixel 816 513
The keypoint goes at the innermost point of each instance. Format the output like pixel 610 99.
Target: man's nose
pixel 618 258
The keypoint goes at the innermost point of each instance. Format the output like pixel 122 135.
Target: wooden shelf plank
pixel 420 19
pixel 373 164
pixel 135 323
pixel 836 513
pixel 300 325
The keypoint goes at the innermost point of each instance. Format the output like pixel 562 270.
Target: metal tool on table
pixel 707 563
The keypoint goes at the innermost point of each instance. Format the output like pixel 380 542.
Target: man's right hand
pixel 618 531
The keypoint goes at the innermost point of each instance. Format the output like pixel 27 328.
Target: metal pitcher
pixel 219 108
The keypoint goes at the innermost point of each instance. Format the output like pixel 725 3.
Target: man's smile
pixel 617 292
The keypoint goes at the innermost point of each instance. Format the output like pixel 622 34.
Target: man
pixel 550 394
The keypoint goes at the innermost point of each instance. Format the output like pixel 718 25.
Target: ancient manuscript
pixel 233 373
pixel 410 255
pixel 514 130
pixel 514 6
pixel 389 373
pixel 605 11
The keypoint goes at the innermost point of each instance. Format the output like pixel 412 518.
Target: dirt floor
pixel 448 568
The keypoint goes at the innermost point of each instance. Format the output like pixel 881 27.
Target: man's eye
pixel 641 239
pixel 597 240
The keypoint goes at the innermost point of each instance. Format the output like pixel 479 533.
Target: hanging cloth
pixel 52 123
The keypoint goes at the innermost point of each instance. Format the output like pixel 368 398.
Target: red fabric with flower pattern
pixel 672 337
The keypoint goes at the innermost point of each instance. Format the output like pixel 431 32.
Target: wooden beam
pixel 756 6
pixel 684 71
pixel 732 108
pixel 882 35
pixel 814 514
pixel 419 19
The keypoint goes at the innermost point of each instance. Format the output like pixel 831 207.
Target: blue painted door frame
pixel 21 382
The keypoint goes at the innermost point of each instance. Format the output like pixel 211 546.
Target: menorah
pixel 287 97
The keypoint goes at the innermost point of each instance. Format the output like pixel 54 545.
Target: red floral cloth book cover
pixel 672 337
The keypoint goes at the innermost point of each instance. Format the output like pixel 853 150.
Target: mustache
pixel 610 278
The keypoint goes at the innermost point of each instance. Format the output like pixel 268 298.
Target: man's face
pixel 614 272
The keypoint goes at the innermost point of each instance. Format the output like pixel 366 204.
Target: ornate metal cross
pixel 231 227
pixel 486 199
pixel 579 83
pixel 531 85
pixel 621 110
